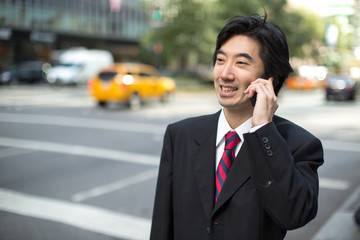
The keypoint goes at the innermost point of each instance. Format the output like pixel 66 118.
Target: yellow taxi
pixel 303 83
pixel 132 83
pixel 299 83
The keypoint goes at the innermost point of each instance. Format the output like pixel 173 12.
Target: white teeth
pixel 228 89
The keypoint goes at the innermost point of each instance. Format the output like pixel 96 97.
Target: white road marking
pixel 8 152
pixel 341 224
pixel 334 184
pixel 78 215
pixel 114 186
pixel 341 146
pixel 44 96
pixel 130 127
pixel 81 150
pixel 83 123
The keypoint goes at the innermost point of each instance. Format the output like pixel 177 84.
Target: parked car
pixel 32 71
pixel 132 83
pixel 302 83
pixel 7 75
pixel 340 88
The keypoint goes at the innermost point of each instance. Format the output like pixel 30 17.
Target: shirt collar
pixel 224 127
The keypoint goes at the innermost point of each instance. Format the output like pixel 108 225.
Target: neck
pixel 237 117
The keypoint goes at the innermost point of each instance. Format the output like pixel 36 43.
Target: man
pixel 272 184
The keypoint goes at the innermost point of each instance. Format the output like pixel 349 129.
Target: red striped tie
pixel 226 161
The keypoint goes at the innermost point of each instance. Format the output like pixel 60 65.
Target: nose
pixel 227 72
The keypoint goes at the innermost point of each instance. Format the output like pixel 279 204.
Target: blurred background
pixel 87 88
pixel 177 37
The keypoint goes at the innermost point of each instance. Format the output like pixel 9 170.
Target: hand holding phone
pixel 253 99
pixel 263 111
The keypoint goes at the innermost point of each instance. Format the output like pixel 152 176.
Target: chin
pixel 234 105
pixel 228 104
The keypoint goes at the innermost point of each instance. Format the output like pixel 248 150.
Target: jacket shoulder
pixel 292 132
pixel 285 125
pixel 195 124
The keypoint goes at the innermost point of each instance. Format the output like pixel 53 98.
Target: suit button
pixel 208 229
pixel 265 139
pixel 267 146
pixel 269 153
pixel 268 183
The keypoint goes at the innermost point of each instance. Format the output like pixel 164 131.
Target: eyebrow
pixel 245 55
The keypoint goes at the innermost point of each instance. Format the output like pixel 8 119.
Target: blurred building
pixel 33 29
pixel 347 24
pixel 347 13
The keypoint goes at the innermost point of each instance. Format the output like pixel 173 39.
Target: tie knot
pixel 231 140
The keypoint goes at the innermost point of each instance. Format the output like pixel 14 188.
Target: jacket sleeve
pixel 285 173
pixel 162 221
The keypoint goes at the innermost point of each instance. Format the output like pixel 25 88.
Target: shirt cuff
pixel 253 129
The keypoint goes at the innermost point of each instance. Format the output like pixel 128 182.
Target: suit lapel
pixel 203 160
pixel 238 175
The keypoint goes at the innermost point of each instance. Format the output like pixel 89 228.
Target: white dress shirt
pixel 223 128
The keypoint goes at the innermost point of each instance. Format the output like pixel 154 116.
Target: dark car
pixel 340 88
pixel 7 75
pixel 32 71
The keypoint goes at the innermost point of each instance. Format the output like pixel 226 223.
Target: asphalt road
pixel 71 170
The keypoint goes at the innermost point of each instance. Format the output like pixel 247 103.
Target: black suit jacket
pixel 272 186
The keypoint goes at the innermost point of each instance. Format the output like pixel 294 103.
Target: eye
pixel 241 63
pixel 220 60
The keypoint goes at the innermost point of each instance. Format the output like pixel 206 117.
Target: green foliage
pixel 187 33
pixel 303 30
pixel 189 29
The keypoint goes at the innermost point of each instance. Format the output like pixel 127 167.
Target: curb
pixel 341 225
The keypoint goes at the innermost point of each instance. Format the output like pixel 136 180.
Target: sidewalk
pixel 341 225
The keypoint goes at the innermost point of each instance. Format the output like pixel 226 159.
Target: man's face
pixel 237 64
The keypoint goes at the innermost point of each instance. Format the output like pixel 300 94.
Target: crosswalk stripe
pixel 78 215
pixel 334 184
pixel 115 186
pixel 341 145
pixel 83 123
pixel 81 150
pixel 8 152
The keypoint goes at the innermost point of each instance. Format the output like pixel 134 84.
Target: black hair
pixel 274 48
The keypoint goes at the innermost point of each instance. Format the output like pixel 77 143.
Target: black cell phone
pixel 253 99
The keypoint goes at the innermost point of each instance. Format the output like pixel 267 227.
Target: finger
pixel 247 90
pixel 253 87
pixel 266 92
pixel 261 81
pixel 250 91
pixel 268 83
pixel 263 87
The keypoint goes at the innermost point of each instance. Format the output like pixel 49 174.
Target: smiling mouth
pixel 228 89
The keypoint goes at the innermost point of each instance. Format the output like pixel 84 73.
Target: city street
pixel 72 170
